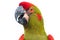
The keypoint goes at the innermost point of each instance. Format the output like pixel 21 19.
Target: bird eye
pixel 31 9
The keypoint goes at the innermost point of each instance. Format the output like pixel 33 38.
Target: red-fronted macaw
pixel 30 17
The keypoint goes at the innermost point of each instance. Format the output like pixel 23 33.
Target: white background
pixel 11 30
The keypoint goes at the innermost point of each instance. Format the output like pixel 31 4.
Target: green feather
pixel 34 30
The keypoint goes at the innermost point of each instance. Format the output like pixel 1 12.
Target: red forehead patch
pixel 25 5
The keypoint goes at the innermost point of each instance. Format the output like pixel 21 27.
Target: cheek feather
pixel 39 16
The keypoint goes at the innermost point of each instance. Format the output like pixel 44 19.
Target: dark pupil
pixel 31 9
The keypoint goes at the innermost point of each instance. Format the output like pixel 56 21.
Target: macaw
pixel 30 17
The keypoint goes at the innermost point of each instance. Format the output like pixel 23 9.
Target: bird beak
pixel 21 16
pixel 23 19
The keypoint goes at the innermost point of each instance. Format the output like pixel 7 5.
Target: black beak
pixel 19 15
pixel 22 21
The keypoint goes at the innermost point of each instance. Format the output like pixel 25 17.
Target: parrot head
pixel 27 13
pixel 23 12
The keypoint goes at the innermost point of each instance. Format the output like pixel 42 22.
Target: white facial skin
pixel 26 16
pixel 28 12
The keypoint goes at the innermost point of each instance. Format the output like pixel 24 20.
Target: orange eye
pixel 31 9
